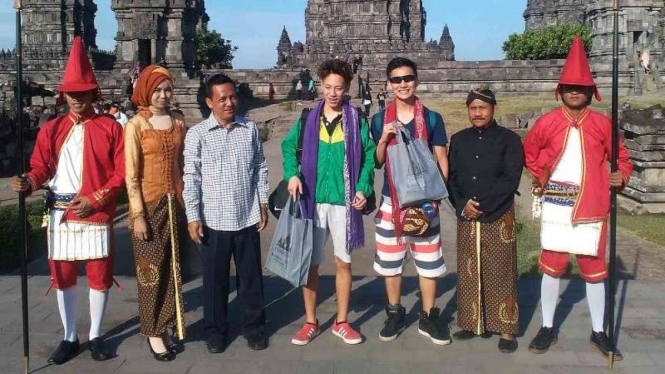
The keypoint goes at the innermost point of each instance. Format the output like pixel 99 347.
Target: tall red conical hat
pixel 79 76
pixel 576 71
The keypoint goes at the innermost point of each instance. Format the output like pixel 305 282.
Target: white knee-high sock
pixel 98 302
pixel 549 294
pixel 67 306
pixel 595 296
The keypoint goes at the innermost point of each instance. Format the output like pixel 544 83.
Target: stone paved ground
pixel 641 321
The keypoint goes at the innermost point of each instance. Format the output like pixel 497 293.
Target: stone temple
pixel 641 27
pixel 373 31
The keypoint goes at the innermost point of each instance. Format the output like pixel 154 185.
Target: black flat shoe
pixel 176 347
pixel 98 351
pixel 66 351
pixel 507 346
pixel 463 335
pixel 216 343
pixel 257 342
pixel 601 342
pixel 165 356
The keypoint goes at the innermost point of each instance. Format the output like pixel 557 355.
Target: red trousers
pixel 592 268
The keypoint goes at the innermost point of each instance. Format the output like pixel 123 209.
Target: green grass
pixel 648 227
pixel 9 233
pixel 528 250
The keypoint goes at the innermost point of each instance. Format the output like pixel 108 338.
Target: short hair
pixel 336 66
pixel 106 106
pixel 218 80
pixel 400 62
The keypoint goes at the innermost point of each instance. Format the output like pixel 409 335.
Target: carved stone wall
pixel 372 30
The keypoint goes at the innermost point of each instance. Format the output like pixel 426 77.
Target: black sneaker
pixel 395 324
pixel 431 327
pixel 543 340
pixel 66 351
pixel 601 342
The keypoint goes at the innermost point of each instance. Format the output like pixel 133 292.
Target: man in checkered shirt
pixel 226 196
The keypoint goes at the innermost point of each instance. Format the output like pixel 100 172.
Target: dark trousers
pixel 216 252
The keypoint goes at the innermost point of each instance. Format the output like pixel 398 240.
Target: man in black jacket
pixel 485 170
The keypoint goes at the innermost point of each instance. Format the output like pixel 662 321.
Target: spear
pixel 18 6
pixel 615 157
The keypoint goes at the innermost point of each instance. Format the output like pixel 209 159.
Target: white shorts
pixel 330 221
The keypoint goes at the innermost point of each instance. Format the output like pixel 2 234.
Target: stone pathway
pixel 640 318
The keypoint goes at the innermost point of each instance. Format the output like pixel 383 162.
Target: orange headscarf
pixel 150 78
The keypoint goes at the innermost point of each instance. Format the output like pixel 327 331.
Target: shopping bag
pixel 290 251
pixel 415 174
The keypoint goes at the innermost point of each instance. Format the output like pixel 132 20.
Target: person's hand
pixel 20 184
pixel 195 230
pixel 141 228
pixel 264 218
pixel 471 210
pixel 537 188
pixel 295 187
pixel 616 179
pixel 389 131
pixel 82 207
pixel 359 202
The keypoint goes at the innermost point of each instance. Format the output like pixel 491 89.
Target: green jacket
pixel 330 168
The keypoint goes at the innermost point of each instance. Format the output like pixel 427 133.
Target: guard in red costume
pixel 80 157
pixel 568 151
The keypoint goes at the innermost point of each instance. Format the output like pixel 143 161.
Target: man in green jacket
pixel 332 175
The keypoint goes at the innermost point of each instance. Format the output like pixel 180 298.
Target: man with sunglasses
pixel 416 228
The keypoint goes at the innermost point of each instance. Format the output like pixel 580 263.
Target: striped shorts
pixel 390 255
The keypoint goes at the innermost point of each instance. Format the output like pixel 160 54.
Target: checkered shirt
pixel 226 174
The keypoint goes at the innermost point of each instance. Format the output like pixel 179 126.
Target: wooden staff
pixel 615 158
pixel 20 161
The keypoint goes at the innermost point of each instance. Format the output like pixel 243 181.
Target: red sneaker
pixel 347 333
pixel 306 334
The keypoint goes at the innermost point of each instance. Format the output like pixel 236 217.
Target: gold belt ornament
pixel 568 194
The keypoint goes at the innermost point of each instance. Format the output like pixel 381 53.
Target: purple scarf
pixel 355 232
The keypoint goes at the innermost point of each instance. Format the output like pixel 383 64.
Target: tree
pixel 549 43
pixel 212 49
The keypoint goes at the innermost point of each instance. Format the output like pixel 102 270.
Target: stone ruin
pixel 641 28
pixel 370 31
pixel 644 136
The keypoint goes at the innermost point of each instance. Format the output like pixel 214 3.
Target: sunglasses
pixel 405 78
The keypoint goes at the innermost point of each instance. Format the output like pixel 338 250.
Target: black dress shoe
pixel 257 342
pixel 463 335
pixel 66 351
pixel 216 343
pixel 175 347
pixel 165 356
pixel 507 346
pixel 98 351
pixel 543 340
pixel 601 342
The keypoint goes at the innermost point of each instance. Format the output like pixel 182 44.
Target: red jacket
pixel 546 141
pixel 103 163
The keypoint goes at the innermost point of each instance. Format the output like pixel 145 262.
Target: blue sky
pixel 255 26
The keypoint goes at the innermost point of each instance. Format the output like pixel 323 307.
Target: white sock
pixel 67 306
pixel 98 301
pixel 595 296
pixel 549 295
